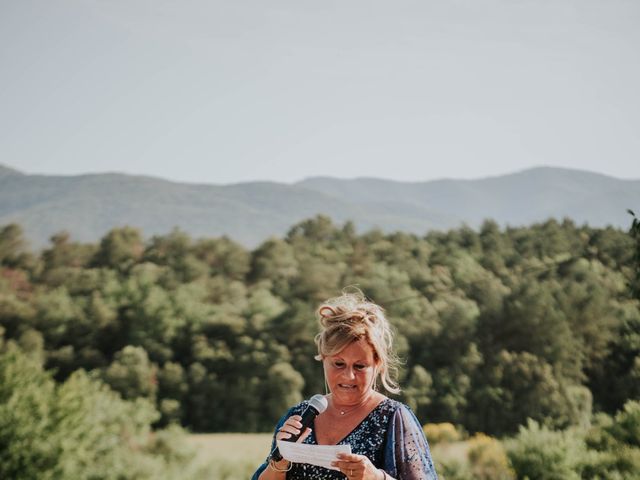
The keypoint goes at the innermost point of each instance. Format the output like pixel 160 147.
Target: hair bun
pixel 330 315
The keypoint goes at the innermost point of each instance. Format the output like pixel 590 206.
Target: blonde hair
pixel 351 317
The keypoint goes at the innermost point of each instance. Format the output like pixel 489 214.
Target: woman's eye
pixel 360 367
pixel 339 364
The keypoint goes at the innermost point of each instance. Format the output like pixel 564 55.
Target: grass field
pixel 235 456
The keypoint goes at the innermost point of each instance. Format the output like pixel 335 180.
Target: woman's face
pixel 350 373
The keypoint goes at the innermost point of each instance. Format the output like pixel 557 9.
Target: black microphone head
pixel 319 403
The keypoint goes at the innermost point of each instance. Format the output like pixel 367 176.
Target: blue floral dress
pixel 390 436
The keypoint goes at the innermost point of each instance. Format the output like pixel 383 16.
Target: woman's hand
pixel 291 427
pixel 357 467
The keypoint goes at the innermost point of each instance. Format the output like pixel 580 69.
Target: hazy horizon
pixel 219 92
pixel 159 177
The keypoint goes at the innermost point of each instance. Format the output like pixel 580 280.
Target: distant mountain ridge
pixel 87 206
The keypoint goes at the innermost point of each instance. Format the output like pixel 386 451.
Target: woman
pixel 387 441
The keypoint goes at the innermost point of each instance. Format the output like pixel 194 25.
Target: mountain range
pixel 87 206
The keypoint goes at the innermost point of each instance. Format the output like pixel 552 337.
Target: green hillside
pixel 88 206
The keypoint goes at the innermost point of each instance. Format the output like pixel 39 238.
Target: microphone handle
pixel 307 420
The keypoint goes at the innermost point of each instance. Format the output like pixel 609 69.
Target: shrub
pixel 488 459
pixel 538 453
pixel 626 428
pixel 613 444
pixel 620 464
pixel 453 469
pixel 441 432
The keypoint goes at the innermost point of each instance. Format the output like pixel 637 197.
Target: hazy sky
pixel 219 92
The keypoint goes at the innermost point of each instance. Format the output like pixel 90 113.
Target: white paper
pixel 321 455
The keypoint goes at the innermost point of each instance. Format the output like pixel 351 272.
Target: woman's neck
pixel 345 409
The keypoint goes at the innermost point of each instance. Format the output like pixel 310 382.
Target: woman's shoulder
pixel 392 411
pixel 400 412
pixel 394 406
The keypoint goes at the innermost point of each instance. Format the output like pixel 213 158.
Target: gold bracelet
pixel 272 464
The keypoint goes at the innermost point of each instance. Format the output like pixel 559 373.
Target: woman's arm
pixel 277 470
pixel 264 472
pixel 407 455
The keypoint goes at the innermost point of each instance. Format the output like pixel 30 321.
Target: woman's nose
pixel 349 373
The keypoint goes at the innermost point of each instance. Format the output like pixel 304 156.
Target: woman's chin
pixel 345 395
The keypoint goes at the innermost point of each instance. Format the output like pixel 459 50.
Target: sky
pixel 223 92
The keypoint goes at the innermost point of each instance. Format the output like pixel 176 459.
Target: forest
pixel 497 328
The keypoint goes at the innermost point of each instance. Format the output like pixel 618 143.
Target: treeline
pixel 495 326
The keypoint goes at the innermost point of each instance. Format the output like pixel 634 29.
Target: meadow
pixel 235 456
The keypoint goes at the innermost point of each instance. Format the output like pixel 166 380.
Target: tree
pixel 274 261
pixel 317 229
pixel 175 251
pixel 516 386
pixel 172 391
pixel 417 393
pixel 120 249
pixel 634 231
pixel 65 253
pixel 13 247
pixel 80 429
pixel 283 389
pixel 132 374
pixel 224 257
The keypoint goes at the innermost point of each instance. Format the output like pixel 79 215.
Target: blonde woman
pixel 387 441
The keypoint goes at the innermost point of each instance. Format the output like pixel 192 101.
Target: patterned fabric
pixel 390 436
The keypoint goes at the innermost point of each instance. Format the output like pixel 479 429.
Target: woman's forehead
pixel 357 350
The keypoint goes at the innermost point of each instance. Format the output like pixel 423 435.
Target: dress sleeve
pixel 406 453
pixel 262 467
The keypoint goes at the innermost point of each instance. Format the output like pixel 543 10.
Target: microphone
pixel 317 405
